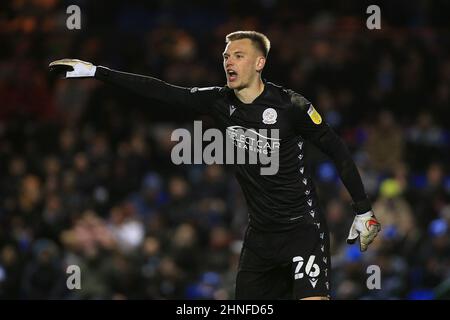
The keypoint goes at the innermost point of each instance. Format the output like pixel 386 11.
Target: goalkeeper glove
pixel 73 68
pixel 366 226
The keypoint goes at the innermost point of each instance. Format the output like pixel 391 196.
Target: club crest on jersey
pixel 269 116
pixel 314 115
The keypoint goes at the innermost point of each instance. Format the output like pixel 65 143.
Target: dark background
pixel 86 175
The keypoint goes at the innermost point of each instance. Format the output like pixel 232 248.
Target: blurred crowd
pixel 86 175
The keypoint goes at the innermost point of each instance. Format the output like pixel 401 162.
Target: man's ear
pixel 260 63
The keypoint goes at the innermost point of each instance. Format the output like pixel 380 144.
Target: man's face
pixel 242 61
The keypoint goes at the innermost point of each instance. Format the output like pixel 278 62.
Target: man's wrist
pixel 367 214
pixel 362 207
pixel 101 72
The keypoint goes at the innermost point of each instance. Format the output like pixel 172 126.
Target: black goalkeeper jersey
pixel 276 202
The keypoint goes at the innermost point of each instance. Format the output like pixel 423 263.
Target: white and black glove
pixel 73 68
pixel 366 227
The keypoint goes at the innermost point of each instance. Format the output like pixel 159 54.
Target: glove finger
pixel 362 246
pixel 62 70
pixel 65 62
pixel 365 241
pixel 352 234
pixel 352 237
pixel 373 232
pixel 374 228
pixel 367 238
pixel 59 67
pixel 56 63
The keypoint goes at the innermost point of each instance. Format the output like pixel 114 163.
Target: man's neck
pixel 250 93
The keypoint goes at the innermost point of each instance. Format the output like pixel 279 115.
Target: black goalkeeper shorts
pixel 287 265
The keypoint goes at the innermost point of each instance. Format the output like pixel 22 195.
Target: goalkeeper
pixel 286 246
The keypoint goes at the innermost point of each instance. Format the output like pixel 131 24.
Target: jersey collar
pixel 258 98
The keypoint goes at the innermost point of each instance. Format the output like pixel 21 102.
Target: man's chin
pixel 233 85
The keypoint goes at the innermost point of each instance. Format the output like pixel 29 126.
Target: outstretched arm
pixel 149 87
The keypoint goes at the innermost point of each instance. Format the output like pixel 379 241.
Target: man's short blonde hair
pixel 258 39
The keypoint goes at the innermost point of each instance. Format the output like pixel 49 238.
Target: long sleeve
pixel 199 99
pixel 330 143
pixel 310 125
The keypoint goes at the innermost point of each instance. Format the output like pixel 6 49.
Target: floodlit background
pixel 86 175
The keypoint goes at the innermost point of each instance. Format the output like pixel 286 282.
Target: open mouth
pixel 232 75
